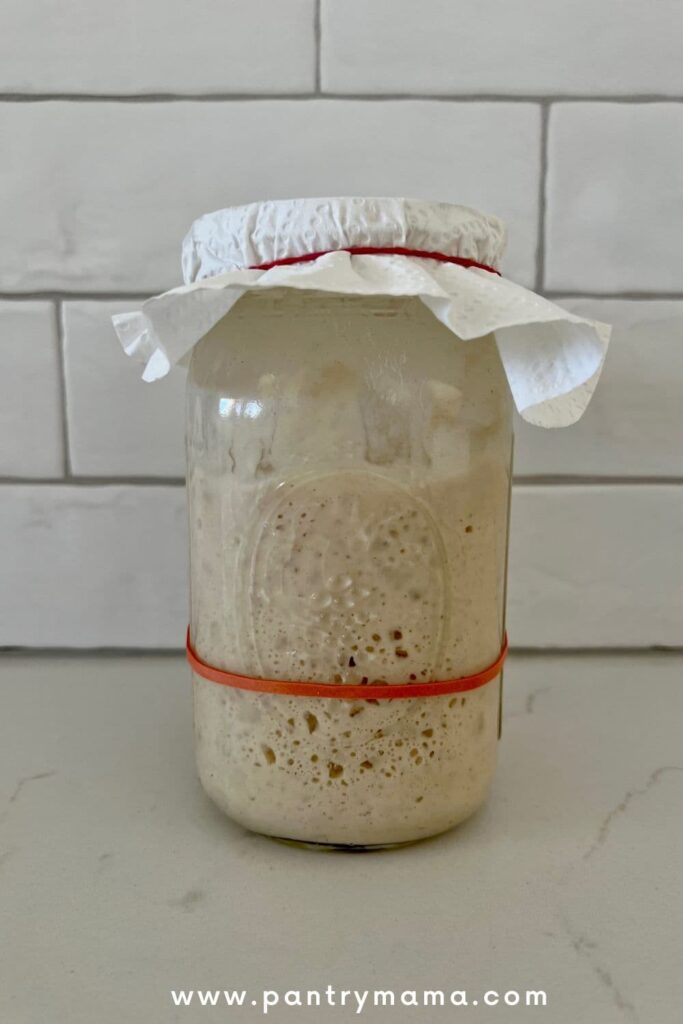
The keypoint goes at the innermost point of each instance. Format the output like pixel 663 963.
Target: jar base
pixel 344 847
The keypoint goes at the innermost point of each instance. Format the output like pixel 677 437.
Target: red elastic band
pixel 371 250
pixel 346 691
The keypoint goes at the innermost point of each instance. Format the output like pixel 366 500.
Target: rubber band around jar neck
pixel 346 691
pixel 371 250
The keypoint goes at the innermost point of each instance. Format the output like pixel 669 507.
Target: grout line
pixel 93 481
pixel 590 652
pixel 523 480
pixel 179 652
pixel 591 480
pixel 80 296
pixel 363 97
pixel 89 652
pixel 317 32
pixel 542 198
pixel 59 313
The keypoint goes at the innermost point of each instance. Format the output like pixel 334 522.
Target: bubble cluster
pixel 370 773
pixel 348 583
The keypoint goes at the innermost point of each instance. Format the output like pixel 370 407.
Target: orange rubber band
pixel 346 691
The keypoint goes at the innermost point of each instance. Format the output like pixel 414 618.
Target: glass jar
pixel 349 468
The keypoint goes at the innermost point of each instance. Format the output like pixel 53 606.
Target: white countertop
pixel 119 881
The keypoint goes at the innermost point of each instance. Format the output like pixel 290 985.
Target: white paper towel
pixel 551 357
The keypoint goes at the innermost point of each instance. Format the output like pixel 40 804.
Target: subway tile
pixel 98 196
pixel 634 423
pixel 596 566
pixel 95 47
pixel 92 566
pixel 118 425
pixel 615 211
pixel 510 47
pixel 30 391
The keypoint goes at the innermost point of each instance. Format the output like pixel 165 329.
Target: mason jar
pixel 349 470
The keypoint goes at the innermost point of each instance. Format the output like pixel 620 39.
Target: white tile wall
pixel 92 566
pixel 30 391
pixel 511 47
pixel 95 46
pixel 118 425
pixel 98 196
pixel 634 424
pixel 596 566
pixel 615 206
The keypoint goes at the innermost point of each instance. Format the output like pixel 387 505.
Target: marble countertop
pixel 120 882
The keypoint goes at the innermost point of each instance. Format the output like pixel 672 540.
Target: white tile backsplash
pixel 118 424
pixel 95 46
pixel 615 203
pixel 634 423
pixel 510 47
pixel 92 566
pixel 30 391
pixel 596 566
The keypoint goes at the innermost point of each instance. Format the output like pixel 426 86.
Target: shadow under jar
pixel 349 464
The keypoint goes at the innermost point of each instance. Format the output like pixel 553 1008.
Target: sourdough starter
pixel 348 515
